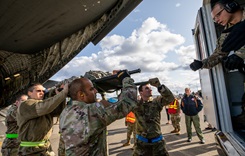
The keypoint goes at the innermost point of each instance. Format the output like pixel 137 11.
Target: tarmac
pixel 176 144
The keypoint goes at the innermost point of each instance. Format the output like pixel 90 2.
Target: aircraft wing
pixel 39 37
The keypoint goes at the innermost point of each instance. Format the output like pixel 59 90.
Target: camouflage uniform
pixel 35 121
pixel 10 143
pixel 218 55
pixel 131 126
pixel 148 115
pixel 83 126
pixel 61 148
pixel 175 117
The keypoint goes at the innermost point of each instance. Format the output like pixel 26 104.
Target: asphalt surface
pixel 176 144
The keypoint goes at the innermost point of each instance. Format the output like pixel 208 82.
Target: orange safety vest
pixel 173 107
pixel 130 117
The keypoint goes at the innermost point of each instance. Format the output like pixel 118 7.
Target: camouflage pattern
pixel 175 118
pixel 35 121
pixel 130 130
pixel 148 115
pixel 83 126
pixel 217 55
pixel 196 122
pixel 61 149
pixel 92 74
pixel 150 149
pixel 10 146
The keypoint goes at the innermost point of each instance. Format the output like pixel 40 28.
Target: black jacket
pixel 191 105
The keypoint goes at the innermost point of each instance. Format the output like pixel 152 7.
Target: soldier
pixel 149 139
pixel 10 144
pixel 35 120
pixel 174 111
pixel 83 122
pixel 130 123
pixel 226 13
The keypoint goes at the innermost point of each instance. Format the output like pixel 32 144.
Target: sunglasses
pixel 40 91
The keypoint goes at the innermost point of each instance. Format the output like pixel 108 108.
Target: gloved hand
pixel 236 38
pixel 196 65
pixel 122 74
pixel 155 82
pixel 234 62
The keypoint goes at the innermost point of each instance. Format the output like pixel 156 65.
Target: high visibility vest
pixel 173 107
pixel 130 117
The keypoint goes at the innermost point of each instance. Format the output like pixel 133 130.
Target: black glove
pixel 236 38
pixel 196 65
pixel 122 74
pixel 161 88
pixel 234 62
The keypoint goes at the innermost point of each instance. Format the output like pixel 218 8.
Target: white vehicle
pixel 222 90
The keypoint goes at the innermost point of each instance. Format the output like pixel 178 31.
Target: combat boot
pixel 126 144
pixel 174 131
pixel 178 132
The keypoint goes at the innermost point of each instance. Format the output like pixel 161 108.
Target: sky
pixel 155 37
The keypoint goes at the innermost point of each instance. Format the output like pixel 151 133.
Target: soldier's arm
pixel 217 56
pixel 48 105
pixel 166 96
pixel 32 108
pixel 126 103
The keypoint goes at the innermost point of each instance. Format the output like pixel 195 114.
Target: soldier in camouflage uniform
pixel 10 144
pixel 174 111
pixel 35 120
pixel 149 139
pixel 83 122
pixel 224 18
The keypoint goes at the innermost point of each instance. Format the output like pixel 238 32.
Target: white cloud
pixel 177 5
pixel 147 48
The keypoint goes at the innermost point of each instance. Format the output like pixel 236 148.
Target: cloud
pixel 147 48
pixel 177 5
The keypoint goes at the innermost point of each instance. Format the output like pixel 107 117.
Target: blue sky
pixel 156 37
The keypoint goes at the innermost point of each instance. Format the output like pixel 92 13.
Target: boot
pixel 126 144
pixel 178 132
pixel 174 131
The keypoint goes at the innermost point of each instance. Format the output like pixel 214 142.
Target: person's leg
pixel 142 149
pixel 168 116
pixel 196 122
pixel 177 122
pixel 173 123
pixel 188 127
pixel 159 149
pixel 129 132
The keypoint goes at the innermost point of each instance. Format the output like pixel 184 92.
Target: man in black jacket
pixel 191 106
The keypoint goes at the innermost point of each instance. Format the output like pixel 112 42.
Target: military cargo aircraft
pixel 40 37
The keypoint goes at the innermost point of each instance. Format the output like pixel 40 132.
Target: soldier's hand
pixel 122 74
pixel 65 88
pixel 236 38
pixel 155 82
pixel 234 62
pixel 196 65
